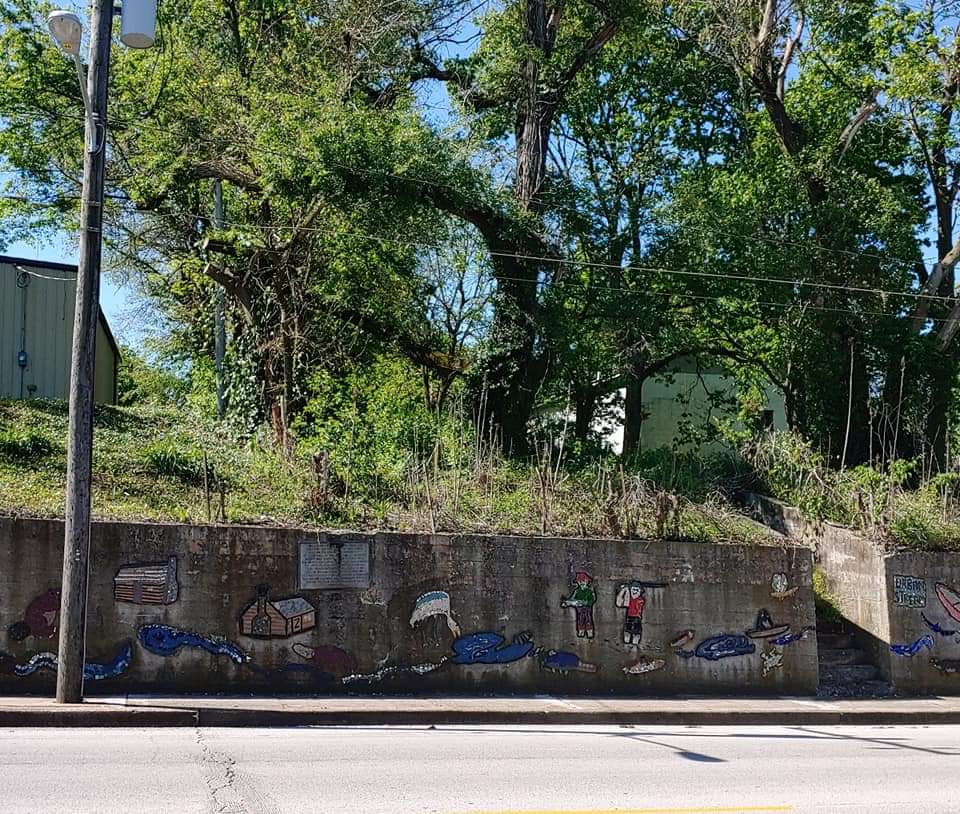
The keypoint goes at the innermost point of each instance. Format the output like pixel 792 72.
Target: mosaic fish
pixel 936 627
pixel 91 672
pixel 643 666
pixel 561 661
pixel 490 648
pixel 724 646
pixel 789 637
pixel 164 640
pixel 946 666
pixel 913 648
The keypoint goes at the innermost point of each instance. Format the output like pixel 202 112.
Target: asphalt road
pixel 587 770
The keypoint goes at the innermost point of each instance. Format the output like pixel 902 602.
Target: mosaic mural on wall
pixel 644 665
pixel 909 592
pixel 432 606
pixel 41 618
pixel 267 618
pixel 328 658
pixel 765 627
pixel 166 640
pixel 561 661
pixel 780 586
pixel 911 649
pixel 157 584
pixel 152 583
pixel 582 599
pixel 940 620
pixel 950 600
pixel 491 648
pixel 91 672
pixel 632 597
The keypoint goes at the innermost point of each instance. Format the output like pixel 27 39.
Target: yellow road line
pixel 701 810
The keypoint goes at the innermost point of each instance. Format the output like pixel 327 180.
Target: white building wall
pixel 670 402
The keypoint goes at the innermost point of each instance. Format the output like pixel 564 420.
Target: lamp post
pixel 67 29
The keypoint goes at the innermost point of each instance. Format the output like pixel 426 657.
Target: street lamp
pixel 137 29
pixel 67 31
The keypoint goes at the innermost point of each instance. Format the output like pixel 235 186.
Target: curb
pixel 75 716
pixel 132 716
pixel 240 718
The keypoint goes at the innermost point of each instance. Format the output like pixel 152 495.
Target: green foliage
pixel 186 464
pixel 639 184
pixel 24 447
pixel 826 605
pixel 373 424
pixel 893 504
pixel 148 464
pixel 141 381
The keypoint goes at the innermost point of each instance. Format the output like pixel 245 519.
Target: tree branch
pixel 225 171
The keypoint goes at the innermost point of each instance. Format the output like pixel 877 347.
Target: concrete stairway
pixel 845 670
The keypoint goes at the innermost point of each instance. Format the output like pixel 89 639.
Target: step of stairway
pixel 830 641
pixel 836 656
pixel 848 674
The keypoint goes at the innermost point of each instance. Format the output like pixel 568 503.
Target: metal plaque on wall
pixel 335 564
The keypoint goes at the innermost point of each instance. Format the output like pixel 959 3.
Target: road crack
pixel 230 791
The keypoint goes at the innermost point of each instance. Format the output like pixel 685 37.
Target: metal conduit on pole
pixel 219 325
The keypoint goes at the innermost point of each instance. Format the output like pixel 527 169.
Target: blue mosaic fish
pixel 914 647
pixel 490 648
pixel 789 637
pixel 560 661
pixel 724 646
pixel 91 672
pixel 936 627
pixel 164 640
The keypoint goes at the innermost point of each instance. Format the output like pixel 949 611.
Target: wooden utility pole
pixel 219 325
pixel 76 544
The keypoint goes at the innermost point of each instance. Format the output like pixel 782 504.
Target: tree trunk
pixel 585 404
pixel 944 373
pixel 632 416
pixel 513 372
pixel 858 445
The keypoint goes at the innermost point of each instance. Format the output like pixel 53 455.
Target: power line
pixel 593 264
pixel 533 258
pixel 618 289
pixel 134 125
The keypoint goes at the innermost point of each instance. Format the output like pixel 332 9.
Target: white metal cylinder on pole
pixel 138 23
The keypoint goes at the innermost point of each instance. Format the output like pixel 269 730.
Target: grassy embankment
pixel 896 504
pixel 149 463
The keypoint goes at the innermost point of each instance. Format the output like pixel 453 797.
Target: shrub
pixel 826 606
pixel 184 464
pixel 24 447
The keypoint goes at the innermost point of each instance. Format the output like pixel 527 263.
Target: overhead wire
pixel 812 246
pixel 546 259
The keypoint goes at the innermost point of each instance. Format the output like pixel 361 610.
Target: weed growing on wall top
pixel 148 464
pixel 892 503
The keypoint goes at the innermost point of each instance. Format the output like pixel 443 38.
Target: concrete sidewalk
pixel 549 710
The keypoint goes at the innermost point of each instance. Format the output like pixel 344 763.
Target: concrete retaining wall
pixel 905 606
pixel 249 609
